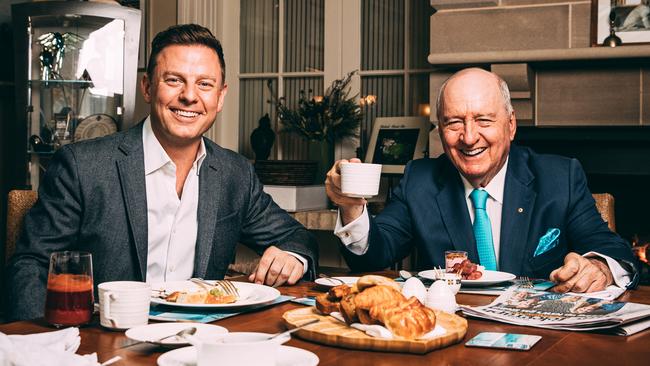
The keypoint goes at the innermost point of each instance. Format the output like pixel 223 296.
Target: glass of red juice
pixel 69 299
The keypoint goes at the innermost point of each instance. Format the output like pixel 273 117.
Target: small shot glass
pixel 452 257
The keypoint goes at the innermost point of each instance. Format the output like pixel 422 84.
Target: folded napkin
pixel 547 242
pixel 52 349
pixel 379 331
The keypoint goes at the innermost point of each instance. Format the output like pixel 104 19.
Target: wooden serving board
pixel 335 333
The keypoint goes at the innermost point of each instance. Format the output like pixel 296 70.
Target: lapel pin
pixel 520 210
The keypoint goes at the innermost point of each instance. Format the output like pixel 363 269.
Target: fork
pixel 331 279
pixel 228 287
pixel 524 282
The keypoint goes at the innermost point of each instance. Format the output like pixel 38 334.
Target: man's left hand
pixel 277 267
pixel 580 274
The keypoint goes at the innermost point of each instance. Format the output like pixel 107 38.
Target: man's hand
pixel 277 267
pixel 580 274
pixel 349 207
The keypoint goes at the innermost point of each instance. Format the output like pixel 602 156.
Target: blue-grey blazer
pixel 93 199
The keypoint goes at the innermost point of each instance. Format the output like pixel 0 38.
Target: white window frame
pixel 342 55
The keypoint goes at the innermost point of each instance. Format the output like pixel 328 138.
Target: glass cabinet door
pixel 75 86
pixel 76 72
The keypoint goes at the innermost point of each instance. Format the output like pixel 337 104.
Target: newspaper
pixel 530 307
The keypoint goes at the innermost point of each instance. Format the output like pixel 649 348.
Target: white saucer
pixel 149 332
pixel 287 356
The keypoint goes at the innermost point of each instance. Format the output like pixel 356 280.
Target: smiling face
pixel 185 92
pixel 476 130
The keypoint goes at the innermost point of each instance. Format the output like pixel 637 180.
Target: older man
pixel 487 197
pixel 159 202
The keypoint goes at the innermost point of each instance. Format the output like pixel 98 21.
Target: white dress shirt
pixel 355 234
pixel 172 221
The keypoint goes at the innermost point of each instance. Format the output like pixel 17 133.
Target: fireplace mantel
pixel 564 55
pixel 594 86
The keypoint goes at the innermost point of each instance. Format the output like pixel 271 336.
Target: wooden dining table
pixel 556 347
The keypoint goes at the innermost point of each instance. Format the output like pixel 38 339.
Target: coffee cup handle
pixel 108 296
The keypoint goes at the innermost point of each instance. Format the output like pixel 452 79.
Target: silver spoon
pixel 280 334
pixel 180 335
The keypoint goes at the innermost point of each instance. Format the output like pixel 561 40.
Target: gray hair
pixel 503 89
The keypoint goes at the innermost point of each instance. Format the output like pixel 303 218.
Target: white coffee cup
pixel 239 349
pixel 360 180
pixel 124 304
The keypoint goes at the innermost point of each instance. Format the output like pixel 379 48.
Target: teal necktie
pixel 483 230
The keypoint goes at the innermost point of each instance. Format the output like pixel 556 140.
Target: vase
pixel 323 153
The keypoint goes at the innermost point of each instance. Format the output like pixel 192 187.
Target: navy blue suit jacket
pixel 428 211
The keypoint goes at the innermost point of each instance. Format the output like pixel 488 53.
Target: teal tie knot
pixel 479 198
pixel 483 230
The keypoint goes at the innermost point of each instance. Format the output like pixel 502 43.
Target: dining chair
pixel 18 203
pixel 605 206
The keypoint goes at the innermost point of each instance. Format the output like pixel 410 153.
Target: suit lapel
pixel 518 202
pixel 210 184
pixel 131 171
pixel 453 208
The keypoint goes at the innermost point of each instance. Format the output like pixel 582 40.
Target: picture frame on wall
pixel 397 140
pixel 631 20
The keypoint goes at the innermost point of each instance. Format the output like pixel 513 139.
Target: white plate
pixel 96 125
pixel 327 282
pixel 149 332
pixel 488 278
pixel 287 356
pixel 249 294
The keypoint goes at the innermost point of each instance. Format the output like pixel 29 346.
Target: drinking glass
pixel 69 299
pixel 452 257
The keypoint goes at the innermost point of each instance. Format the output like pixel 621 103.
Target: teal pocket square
pixel 548 241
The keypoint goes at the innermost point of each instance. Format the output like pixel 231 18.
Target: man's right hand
pixel 349 207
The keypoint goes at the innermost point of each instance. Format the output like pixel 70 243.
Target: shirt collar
pixel 496 186
pixel 155 156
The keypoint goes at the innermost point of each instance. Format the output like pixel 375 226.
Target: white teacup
pixel 239 349
pixel 360 180
pixel 124 304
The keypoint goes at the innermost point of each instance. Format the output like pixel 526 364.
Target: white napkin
pixel 44 349
pixel 379 331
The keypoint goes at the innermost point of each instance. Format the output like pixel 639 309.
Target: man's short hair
pixel 503 89
pixel 185 35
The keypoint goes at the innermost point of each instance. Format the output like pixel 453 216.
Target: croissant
pixel 368 281
pixel 378 295
pixel 409 319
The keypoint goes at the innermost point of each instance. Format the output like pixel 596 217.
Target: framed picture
pixel 397 140
pixel 631 20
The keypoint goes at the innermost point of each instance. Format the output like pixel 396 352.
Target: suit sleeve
pixel 586 229
pixel 390 237
pixel 51 225
pixel 266 224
